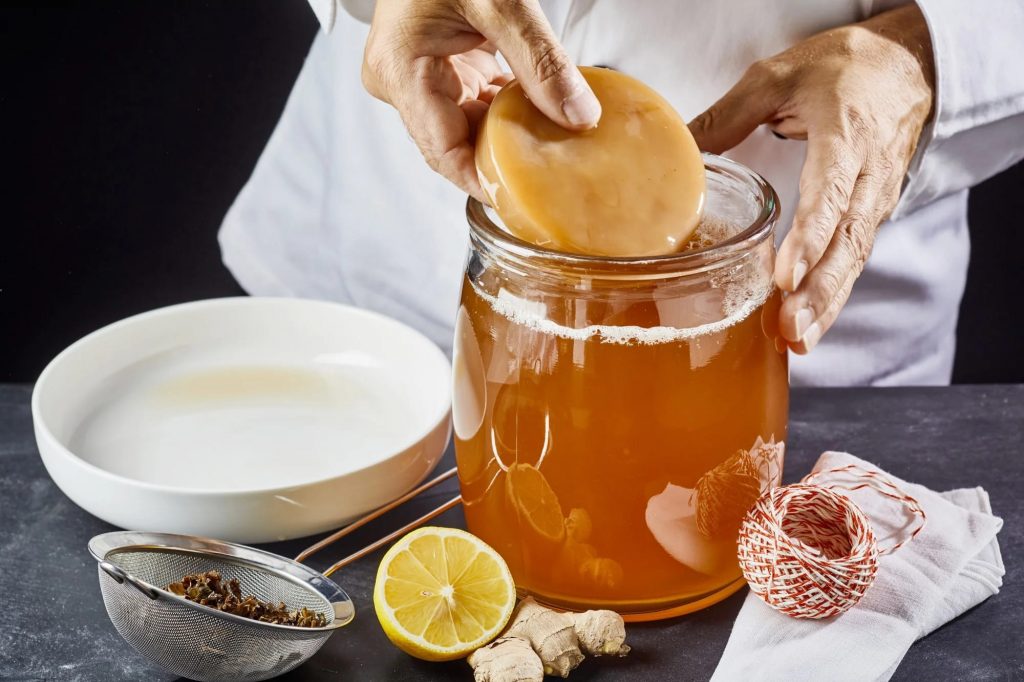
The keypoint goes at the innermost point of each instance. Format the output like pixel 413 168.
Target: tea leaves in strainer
pixel 202 643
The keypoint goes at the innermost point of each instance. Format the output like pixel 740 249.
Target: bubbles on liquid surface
pixel 742 293
pixel 711 231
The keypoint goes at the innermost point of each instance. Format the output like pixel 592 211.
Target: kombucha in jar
pixel 615 418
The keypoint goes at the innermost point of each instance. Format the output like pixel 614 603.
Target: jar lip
pixel 484 229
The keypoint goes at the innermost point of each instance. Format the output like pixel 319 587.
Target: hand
pixel 434 61
pixel 860 96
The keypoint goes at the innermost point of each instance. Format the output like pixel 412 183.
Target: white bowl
pixel 246 419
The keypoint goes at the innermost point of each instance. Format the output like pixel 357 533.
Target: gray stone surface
pixel 55 626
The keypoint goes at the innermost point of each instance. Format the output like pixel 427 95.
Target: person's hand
pixel 434 61
pixel 860 95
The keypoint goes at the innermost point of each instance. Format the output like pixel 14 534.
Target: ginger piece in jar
pixel 632 186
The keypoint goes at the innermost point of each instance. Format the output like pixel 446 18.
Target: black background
pixel 129 127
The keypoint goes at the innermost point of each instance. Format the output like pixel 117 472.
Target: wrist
pixel 906 31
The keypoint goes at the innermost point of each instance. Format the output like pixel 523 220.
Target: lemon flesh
pixel 535 502
pixel 442 593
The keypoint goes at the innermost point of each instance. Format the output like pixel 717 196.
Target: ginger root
pixel 506 659
pixel 551 634
pixel 540 641
pixel 601 633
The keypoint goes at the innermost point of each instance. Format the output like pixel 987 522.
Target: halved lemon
pixel 442 593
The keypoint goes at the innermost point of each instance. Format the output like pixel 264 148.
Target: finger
pixel 770 322
pixel 754 100
pixel 554 84
pixel 810 311
pixel 487 94
pixel 438 125
pixel 478 66
pixel 789 128
pixel 481 75
pixel 474 111
pixel 830 170
pixel 503 80
pixel 818 328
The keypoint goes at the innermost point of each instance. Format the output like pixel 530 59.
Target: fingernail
pixel 799 270
pixel 813 335
pixel 804 317
pixel 582 108
pixel 780 345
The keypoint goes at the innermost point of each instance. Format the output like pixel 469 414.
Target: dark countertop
pixel 56 627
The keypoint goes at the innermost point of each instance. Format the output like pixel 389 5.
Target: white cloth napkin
pixel 951 566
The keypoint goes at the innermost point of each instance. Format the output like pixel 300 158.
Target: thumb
pixel 731 119
pixel 551 80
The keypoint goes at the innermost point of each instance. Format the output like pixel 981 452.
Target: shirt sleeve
pixel 326 11
pixel 977 128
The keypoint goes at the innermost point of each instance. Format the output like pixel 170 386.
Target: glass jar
pixel 615 417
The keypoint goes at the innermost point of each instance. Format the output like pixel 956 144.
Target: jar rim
pixel 484 230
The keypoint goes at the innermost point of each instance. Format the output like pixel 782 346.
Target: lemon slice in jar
pixel 442 593
pixel 632 186
pixel 536 503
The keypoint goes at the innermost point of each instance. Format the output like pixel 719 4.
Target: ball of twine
pixel 809 551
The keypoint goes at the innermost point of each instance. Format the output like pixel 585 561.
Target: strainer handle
pixel 334 537
pixel 119 576
pixel 369 549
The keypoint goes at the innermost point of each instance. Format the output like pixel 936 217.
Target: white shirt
pixel 341 205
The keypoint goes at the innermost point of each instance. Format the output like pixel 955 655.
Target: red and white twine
pixel 809 551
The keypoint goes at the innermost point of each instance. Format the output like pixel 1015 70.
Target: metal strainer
pixel 202 643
